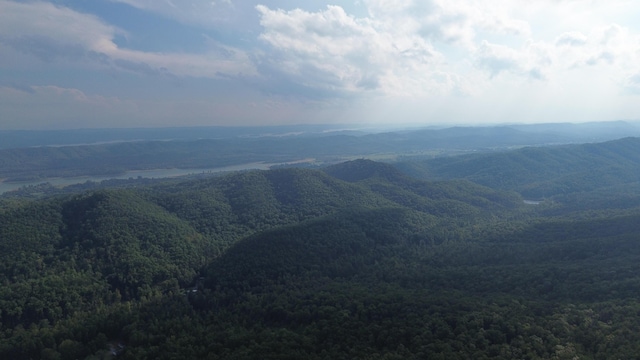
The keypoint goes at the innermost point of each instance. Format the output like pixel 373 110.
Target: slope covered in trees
pixel 355 261
pixel 538 172
pixel 369 285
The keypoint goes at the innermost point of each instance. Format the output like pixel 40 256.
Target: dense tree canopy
pixel 355 261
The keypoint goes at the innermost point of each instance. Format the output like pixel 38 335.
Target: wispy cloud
pixel 52 33
pixel 333 50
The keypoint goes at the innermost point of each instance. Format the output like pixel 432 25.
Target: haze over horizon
pixel 143 63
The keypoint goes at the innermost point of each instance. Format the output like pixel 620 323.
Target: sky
pixel 164 63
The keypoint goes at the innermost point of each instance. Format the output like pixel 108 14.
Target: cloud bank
pixel 431 61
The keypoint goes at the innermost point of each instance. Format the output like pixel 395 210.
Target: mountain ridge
pixel 540 172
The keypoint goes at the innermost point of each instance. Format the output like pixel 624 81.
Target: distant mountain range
pixel 512 134
pixel 32 156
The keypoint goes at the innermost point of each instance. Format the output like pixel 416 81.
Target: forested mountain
pixel 24 156
pixel 357 260
pixel 29 138
pixel 538 172
pixel 491 136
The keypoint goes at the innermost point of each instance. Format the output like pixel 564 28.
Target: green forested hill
pixel 362 169
pixel 539 172
pixel 370 285
pixel 441 197
pixel 356 261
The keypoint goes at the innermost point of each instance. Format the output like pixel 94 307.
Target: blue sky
pixel 150 63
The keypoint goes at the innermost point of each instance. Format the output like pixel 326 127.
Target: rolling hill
pixel 538 172
pixel 357 260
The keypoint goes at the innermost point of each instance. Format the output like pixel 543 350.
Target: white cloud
pixel 333 50
pixel 52 33
pixel 613 47
pixel 572 38
pixel 633 83
pixel 42 19
pixel 457 22
pixel 497 58
pixel 531 61
pixel 401 48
